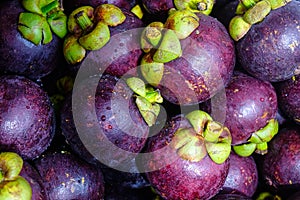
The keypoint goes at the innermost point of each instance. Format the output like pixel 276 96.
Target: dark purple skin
pixel 207 63
pixel 288 93
pixel 242 177
pixel 183 179
pixel 20 56
pixel 123 48
pixel 280 167
pixel 65 176
pixel 267 51
pixel 118 119
pixel 250 104
pixel 27 123
pixel 35 180
pixel 157 9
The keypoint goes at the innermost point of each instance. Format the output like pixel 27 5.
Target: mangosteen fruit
pixel 250 113
pixel 27 118
pixel 27 45
pixel 157 9
pixel 242 177
pixel 193 59
pixel 188 157
pixel 280 166
pixel 35 180
pixel 230 196
pixel 13 185
pixel 111 123
pixel 288 93
pixel 65 176
pixel 103 30
pixel 267 35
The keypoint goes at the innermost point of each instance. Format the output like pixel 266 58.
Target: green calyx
pixel 72 50
pixel 151 36
pixel 183 22
pixel 81 20
pixel 169 49
pixel 147 99
pixel 151 71
pixel 43 18
pixel 109 14
pixel 258 141
pixel 250 12
pixel 13 186
pixel 205 137
pixel 202 6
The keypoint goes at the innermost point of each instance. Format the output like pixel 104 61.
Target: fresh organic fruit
pixel 26 117
pixel 264 51
pixel 198 67
pixel 12 185
pixel 122 45
pixel 189 157
pixel 35 180
pixel 65 176
pixel 34 58
pixel 288 93
pixel 242 177
pixel 251 106
pixel 280 169
pixel 113 122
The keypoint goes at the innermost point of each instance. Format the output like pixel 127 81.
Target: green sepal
pixel 238 27
pixel 198 119
pixel 240 9
pixel 109 14
pixel 249 3
pixel 169 49
pixel 11 165
pixel 218 152
pixel 72 50
pixel 203 6
pixel 153 96
pixel 137 11
pixel 151 71
pixel 34 28
pixel 262 148
pixel 137 86
pixel 258 12
pixel 183 22
pixel 17 189
pixel 96 39
pixel 245 150
pixel 148 110
pixel 278 3
pixel 212 131
pixel 35 5
pixel 188 145
pixel 266 133
pixel 58 24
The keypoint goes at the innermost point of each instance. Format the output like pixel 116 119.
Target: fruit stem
pixel 83 20
pixel 54 5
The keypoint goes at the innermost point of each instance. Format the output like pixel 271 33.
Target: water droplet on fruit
pixel 262 99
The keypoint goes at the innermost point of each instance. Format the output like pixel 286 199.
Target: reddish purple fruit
pixel 116 123
pixel 26 117
pixel 205 67
pixel 65 176
pixel 289 98
pixel 280 167
pixel 250 104
pixel 242 177
pixel 270 49
pixel 19 55
pixel 182 178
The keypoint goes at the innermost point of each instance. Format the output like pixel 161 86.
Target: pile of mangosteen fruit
pixel 149 99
